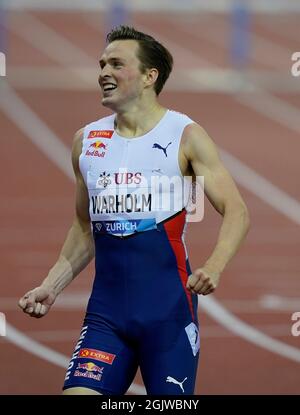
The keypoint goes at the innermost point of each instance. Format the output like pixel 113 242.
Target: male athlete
pixel 142 311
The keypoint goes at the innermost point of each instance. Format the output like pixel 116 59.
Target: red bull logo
pixel 89 370
pixel 98 144
pixel 90 367
pixel 98 149
pixel 100 133
pixel 97 355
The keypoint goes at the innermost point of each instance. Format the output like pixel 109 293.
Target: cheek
pixel 130 80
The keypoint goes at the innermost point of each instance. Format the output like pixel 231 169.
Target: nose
pixel 102 77
pixel 104 73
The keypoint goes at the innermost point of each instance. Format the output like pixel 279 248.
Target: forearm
pixel 76 253
pixel 232 233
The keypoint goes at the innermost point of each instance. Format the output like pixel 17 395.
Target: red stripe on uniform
pixel 174 229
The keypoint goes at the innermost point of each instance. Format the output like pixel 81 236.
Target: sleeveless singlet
pixel 140 313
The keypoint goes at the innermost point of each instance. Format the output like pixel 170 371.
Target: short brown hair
pixel 151 54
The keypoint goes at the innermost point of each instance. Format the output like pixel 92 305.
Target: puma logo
pixel 164 149
pixel 172 380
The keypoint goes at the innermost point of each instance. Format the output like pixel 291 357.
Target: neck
pixel 138 120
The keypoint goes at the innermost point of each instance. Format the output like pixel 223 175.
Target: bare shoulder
pixel 77 141
pixel 193 131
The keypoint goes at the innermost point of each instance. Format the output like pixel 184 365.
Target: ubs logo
pixel 125 178
pixel 104 180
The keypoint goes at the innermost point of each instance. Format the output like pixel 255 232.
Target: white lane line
pixel 212 305
pixel 262 188
pixel 52 336
pixel 275 302
pixel 31 346
pixel 273 108
pixel 35 129
pixel 244 330
pixel 26 343
pixel 53 45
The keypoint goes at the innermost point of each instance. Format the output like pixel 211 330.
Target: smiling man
pixel 142 311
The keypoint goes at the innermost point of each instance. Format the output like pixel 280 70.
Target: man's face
pixel 120 78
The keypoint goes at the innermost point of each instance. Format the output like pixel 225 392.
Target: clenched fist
pixel 202 281
pixel 37 302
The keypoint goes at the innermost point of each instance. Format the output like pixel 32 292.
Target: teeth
pixel 108 87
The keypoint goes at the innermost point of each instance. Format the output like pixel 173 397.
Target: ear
pixel 151 76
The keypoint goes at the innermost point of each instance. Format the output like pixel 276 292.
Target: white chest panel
pixel 133 183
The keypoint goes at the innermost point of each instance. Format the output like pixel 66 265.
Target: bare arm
pixel 219 187
pixel 78 249
pixel 76 253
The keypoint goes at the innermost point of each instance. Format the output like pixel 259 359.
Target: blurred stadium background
pixel 232 74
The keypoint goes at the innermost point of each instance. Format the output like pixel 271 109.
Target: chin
pixel 107 102
pixel 110 103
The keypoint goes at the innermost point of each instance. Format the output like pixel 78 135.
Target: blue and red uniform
pixel 140 313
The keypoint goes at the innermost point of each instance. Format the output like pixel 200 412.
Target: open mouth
pixel 108 87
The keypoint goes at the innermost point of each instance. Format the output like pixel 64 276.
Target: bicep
pixel 219 187
pixel 203 156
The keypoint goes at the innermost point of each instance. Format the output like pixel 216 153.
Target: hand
pixel 202 281
pixel 37 302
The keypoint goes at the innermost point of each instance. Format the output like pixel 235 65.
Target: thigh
pixel 80 391
pixel 171 370
pixel 102 361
